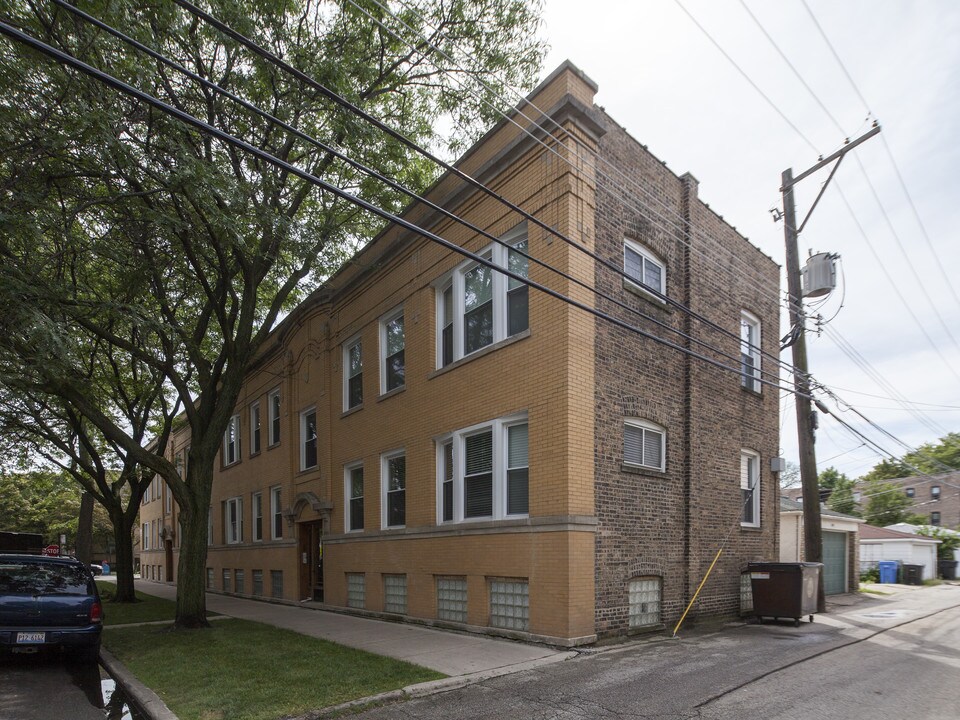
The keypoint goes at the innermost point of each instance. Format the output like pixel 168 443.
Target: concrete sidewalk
pixel 451 653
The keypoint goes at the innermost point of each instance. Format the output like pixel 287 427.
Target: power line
pixel 373 173
pixel 613 188
pixel 837 58
pixel 186 118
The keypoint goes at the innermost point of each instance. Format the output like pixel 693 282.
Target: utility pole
pixel 812 532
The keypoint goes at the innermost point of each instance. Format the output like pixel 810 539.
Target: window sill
pixel 254 454
pixel 646 472
pixel 391 393
pixel 271 446
pixel 307 471
pixel 750 528
pixel 644 294
pixel 751 391
pixel 230 465
pixel 480 353
pixel 351 411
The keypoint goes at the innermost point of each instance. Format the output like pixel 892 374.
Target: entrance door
pixel 834 563
pixel 168 559
pixel 311 560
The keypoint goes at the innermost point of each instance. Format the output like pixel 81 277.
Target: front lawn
pixel 149 608
pixel 244 670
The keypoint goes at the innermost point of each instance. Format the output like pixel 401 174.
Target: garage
pixel 834 563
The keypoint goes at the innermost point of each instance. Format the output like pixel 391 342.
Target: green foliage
pixel 219 673
pixel 930 458
pixel 870 575
pixel 949 542
pixel 841 499
pixel 48 503
pixel 887 504
pixel 831 477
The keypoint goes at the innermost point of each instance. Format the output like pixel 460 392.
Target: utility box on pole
pixel 819 275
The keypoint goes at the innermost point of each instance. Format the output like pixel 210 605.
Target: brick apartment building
pixel 428 439
pixel 936 497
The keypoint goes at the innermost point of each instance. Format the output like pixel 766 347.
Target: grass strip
pixel 238 669
pixel 149 608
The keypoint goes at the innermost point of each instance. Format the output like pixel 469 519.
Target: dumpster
pixel 912 574
pixel 784 590
pixel 888 571
pixel 948 569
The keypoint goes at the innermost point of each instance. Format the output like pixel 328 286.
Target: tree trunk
pixel 123 538
pixel 191 574
pixel 84 543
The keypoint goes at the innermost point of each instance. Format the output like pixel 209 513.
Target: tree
pixel 842 499
pixel 127 229
pixel 887 504
pixel 929 458
pixel 791 476
pixel 831 478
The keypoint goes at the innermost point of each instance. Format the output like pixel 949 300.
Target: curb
pixel 435 687
pixel 139 694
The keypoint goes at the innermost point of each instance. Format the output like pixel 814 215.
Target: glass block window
pixel 452 599
pixel 746 593
pixel 356 590
pixel 238 581
pixel 395 594
pixel 276 583
pixel 226 580
pixel 209 578
pixel 510 604
pixel 258 582
pixel 644 599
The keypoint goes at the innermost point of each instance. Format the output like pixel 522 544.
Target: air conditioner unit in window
pixel 819 275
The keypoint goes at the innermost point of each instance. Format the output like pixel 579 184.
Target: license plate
pixel 25 637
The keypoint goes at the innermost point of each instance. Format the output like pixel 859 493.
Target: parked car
pixel 48 602
pixel 96 569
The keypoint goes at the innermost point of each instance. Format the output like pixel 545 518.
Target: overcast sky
pixel 673 89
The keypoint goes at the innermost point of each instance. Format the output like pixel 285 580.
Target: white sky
pixel 673 90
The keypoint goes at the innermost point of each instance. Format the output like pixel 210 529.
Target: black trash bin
pixel 948 569
pixel 784 590
pixel 912 574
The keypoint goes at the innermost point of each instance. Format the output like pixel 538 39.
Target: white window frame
pixel 499 429
pixel 345 363
pixel 276 511
pixel 751 349
pixel 233 532
pixel 499 255
pixel 647 427
pixel 256 428
pixel 385 459
pixel 274 400
pixel 393 315
pixel 348 496
pixel 145 536
pixel 935 492
pixel 755 500
pixel 210 525
pixel 231 451
pixel 256 513
pixel 304 439
pixel 646 256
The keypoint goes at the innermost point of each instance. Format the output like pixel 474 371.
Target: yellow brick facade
pixel 545 374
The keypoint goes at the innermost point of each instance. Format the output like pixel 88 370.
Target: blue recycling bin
pixel 888 571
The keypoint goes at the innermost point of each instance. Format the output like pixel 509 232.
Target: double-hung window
pixel 352 374
pixel 255 428
pixel 935 492
pixel 483 472
pixel 257 513
pixel 231 441
pixel 353 496
pixel 750 351
pixel 643 267
pixel 392 346
pixel 749 488
pixel 233 521
pixel 478 306
pixel 308 439
pixel 273 403
pixel 393 499
pixel 644 444
pixel 276 514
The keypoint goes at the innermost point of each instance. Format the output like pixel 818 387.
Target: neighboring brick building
pixel 429 439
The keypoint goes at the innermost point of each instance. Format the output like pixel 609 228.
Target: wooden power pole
pixel 812 533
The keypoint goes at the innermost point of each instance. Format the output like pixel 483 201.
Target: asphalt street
pixel 883 657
